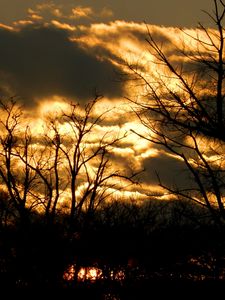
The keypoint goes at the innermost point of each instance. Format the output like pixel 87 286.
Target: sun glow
pixel 84 274
pixel 91 274
pixel 51 106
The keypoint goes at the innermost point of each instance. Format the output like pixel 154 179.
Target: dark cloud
pixel 171 171
pixel 41 61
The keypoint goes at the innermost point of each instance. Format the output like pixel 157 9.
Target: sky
pixel 160 12
pixel 55 50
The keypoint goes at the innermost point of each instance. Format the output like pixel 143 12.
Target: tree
pixel 16 178
pixel 184 110
pixel 67 169
pixel 86 158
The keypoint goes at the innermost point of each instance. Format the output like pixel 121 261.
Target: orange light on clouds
pixel 82 12
pixel 63 25
pixel 118 120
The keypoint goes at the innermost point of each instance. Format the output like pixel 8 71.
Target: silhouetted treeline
pixel 127 245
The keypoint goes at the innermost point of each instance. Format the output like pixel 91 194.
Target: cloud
pixel 36 17
pixel 171 171
pixel 21 23
pixel 40 61
pixel 61 25
pixel 79 14
pixel 49 7
pixel 44 59
pixel 61 58
pixel 3 26
pixel 130 40
pixel 46 10
pixel 82 12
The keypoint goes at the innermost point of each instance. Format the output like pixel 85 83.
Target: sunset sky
pixel 64 49
pixel 161 12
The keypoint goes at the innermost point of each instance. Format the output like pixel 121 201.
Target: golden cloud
pixel 82 12
pixel 99 40
pixel 36 17
pixel 7 27
pixel 64 26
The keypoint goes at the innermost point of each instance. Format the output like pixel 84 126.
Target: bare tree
pixel 183 108
pixel 16 177
pixel 45 162
pixel 69 167
pixel 87 159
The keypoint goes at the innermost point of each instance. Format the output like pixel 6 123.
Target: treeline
pixel 123 245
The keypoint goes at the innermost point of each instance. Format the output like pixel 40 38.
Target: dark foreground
pixel 121 253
